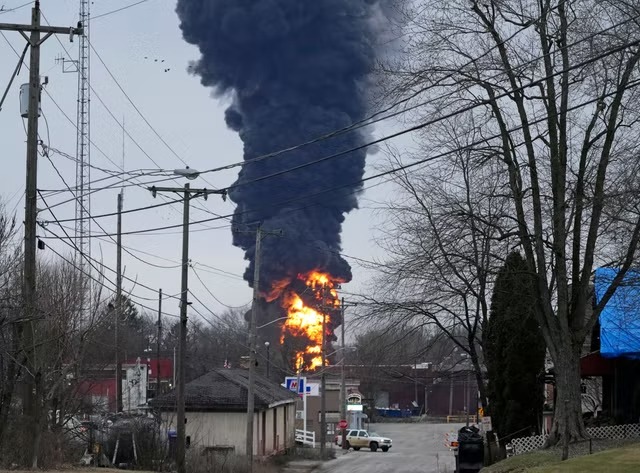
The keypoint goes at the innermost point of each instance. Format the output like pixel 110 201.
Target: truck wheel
pixel 385 449
pixel 356 448
pixel 348 445
pixel 373 446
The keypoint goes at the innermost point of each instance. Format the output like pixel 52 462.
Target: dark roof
pixel 225 390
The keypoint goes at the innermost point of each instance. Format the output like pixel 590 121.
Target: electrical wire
pixel 74 246
pixel 111 174
pixel 409 130
pixel 212 294
pixel 111 214
pixel 92 262
pixel 381 174
pixel 100 283
pixel 367 121
pixel 15 8
pixel 121 125
pixel 126 7
pixel 72 243
pixel 114 186
pixel 147 122
pixel 433 121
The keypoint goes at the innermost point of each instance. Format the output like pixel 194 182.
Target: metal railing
pixel 461 419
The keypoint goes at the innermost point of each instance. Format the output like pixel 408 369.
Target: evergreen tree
pixel 514 352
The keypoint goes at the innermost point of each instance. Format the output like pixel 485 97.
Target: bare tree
pixel 9 314
pixel 446 240
pixel 553 82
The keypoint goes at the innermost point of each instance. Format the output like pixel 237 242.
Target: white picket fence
pixel 305 438
pixel 535 442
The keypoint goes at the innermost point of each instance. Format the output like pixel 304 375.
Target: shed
pixel 216 412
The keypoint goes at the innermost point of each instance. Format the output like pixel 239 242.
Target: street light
pixel 189 173
pixel 267 344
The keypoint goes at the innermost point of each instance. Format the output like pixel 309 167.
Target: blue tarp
pixel 620 318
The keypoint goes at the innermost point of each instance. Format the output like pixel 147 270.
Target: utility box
pixel 24 101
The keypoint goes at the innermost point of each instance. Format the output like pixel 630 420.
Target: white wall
pixel 209 429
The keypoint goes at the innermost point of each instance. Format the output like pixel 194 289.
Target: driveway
pixel 417 448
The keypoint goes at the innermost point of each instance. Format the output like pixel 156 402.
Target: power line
pixel 15 8
pixel 394 170
pixel 100 283
pixel 148 123
pixel 73 244
pixel 112 174
pixel 212 294
pixel 435 120
pixel 93 262
pixel 126 7
pixel 142 185
pixel 366 121
pixel 111 214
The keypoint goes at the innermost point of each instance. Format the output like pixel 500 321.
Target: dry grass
pixel 618 460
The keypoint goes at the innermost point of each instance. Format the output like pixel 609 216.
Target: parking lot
pixel 417 448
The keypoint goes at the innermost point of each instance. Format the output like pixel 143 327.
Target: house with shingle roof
pixel 216 412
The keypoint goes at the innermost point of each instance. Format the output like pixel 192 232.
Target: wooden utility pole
pixel 343 381
pixel 188 194
pixel 343 386
pixel 159 340
pixel 33 391
pixel 252 348
pixel 118 311
pixel 260 234
pixel 323 380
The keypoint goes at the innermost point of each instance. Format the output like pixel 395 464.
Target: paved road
pixel 417 448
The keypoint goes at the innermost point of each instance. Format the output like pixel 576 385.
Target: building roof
pixel 226 390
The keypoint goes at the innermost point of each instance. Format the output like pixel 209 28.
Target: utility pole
pixel 158 341
pixel 260 234
pixel 33 379
pixel 188 194
pixel 118 312
pixel 343 381
pixel 252 348
pixel 323 379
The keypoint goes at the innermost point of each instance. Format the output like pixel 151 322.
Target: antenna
pixel 123 143
pixel 83 154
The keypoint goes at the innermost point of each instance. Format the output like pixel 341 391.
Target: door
pixel 352 437
pixel 363 438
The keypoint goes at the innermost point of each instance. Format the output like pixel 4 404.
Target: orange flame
pixel 306 320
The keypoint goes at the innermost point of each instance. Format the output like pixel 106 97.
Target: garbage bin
pixel 470 450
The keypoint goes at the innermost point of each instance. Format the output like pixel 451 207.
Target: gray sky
pixel 182 112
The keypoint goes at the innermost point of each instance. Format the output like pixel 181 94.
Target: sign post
pixel 299 385
pixel 486 424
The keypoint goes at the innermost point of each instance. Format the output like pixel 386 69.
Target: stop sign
pixel 342 424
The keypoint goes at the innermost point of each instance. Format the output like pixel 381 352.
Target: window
pixel 362 433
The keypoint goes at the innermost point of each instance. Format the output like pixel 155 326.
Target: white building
pixel 216 413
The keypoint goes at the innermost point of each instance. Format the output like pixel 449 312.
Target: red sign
pixel 342 424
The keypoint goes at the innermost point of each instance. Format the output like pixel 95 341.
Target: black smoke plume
pixel 295 70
